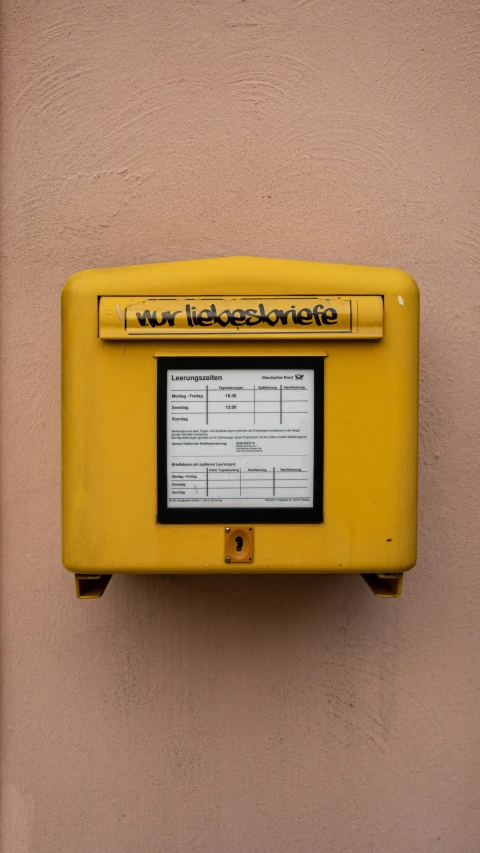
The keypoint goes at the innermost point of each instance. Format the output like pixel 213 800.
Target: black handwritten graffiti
pixel 318 315
pixel 151 318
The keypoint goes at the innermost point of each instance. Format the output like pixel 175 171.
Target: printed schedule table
pixel 240 438
pixel 208 402
pixel 242 483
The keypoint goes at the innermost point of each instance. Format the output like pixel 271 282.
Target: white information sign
pixel 240 438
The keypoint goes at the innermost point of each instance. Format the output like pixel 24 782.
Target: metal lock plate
pixel 239 544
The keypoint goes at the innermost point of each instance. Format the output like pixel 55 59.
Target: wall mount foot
pixel 91 586
pixel 383 585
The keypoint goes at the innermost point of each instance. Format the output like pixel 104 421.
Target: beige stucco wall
pixel 236 715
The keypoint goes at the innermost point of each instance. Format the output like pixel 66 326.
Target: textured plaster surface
pixel 240 715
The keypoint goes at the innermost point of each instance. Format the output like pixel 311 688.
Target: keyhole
pixel 239 541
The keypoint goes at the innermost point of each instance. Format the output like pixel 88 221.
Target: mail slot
pixel 240 415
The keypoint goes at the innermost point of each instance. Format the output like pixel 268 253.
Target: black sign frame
pixel 241 515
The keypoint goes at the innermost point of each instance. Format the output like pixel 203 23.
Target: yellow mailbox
pixel 240 415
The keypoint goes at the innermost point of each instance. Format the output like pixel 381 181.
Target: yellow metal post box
pixel 240 415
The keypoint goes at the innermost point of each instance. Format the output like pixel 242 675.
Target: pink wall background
pixel 236 715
